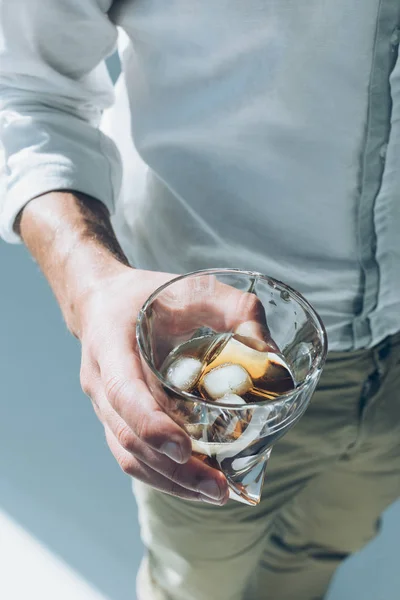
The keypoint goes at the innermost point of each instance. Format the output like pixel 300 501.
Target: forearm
pixel 71 238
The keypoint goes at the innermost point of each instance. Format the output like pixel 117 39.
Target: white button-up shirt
pixel 260 134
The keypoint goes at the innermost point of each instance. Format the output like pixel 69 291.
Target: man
pixel 269 139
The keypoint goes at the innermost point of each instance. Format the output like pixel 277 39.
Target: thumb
pixel 256 334
pixel 248 319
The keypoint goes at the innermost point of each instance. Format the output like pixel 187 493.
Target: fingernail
pixel 210 488
pixel 173 451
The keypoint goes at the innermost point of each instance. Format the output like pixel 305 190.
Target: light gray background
pixel 57 478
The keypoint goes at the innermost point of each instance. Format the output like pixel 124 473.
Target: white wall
pixel 65 507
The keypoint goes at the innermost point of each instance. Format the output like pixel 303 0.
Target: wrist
pixel 71 237
pixel 88 272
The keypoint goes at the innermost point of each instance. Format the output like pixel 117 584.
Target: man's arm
pixel 53 88
pixel 72 239
pixel 70 234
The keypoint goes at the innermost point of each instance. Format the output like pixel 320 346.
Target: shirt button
pixel 383 151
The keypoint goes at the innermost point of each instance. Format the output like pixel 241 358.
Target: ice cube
pixel 226 379
pixel 257 363
pixel 231 399
pixel 184 372
pixel 232 438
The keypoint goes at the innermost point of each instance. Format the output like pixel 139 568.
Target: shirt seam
pixel 362 315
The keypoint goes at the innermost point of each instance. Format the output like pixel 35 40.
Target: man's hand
pixel 100 295
pixel 146 442
pixel 71 237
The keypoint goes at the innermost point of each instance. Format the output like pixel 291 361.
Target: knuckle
pixel 115 391
pixel 126 464
pixel 253 304
pixel 125 436
pixel 144 430
pixel 86 383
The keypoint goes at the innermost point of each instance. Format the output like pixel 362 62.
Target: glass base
pixel 247 487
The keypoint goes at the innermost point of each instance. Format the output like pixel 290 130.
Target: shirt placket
pixel 373 164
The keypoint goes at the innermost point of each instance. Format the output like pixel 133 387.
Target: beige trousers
pixel 327 483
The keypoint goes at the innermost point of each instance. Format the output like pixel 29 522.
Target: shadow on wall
pixel 57 478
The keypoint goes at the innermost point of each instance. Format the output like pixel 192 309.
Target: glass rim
pixel 309 309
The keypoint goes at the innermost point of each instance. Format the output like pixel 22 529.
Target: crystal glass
pixel 196 316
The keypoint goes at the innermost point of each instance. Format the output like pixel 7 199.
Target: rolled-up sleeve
pixel 54 86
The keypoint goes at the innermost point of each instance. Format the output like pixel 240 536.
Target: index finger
pixel 128 394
